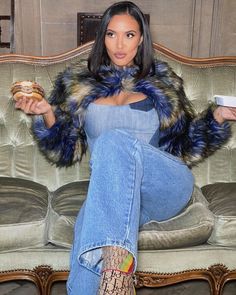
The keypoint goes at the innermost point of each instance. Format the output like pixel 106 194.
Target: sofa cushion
pixel 222 202
pixel 191 227
pixel 23 213
pixel 65 205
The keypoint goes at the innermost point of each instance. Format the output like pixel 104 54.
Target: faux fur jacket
pixel 187 135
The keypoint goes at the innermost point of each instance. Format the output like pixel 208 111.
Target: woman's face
pixel 122 39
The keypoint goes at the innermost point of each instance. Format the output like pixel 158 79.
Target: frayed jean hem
pixel 87 256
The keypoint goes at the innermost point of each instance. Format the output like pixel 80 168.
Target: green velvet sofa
pixel 39 202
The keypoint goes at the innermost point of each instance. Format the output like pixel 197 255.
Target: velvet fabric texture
pixel 23 214
pixel 191 227
pixel 222 202
pixel 31 217
pixel 65 205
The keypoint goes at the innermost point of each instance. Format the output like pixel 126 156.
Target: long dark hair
pixel 144 57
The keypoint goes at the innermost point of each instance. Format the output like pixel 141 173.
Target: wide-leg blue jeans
pixel 131 183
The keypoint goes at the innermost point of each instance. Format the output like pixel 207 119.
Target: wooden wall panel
pixel 5 9
pixel 171 24
pixel 201 30
pixel 28 27
pixel 223 40
pixel 197 28
pixel 58 26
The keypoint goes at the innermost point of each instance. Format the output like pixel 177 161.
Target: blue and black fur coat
pixel 187 135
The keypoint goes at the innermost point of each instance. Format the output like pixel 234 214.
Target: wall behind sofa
pixel 197 28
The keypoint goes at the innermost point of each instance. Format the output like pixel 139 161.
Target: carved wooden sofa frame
pixel 43 276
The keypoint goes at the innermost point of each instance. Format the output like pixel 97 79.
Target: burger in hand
pixel 29 89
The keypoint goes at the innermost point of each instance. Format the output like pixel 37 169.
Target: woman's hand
pixel 35 107
pixel 222 114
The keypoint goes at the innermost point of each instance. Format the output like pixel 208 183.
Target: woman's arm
pixel 191 136
pixel 195 138
pixel 49 118
pixel 56 126
pixel 59 134
pixel 63 143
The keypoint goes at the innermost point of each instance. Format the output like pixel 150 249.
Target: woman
pixel 142 134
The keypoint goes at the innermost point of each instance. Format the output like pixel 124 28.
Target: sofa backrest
pixel 19 154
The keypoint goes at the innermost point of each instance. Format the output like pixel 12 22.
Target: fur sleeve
pixel 190 136
pixel 65 142
pixel 195 138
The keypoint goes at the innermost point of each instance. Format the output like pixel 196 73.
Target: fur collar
pixel 162 86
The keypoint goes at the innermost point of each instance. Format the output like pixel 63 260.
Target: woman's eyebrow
pixel 130 31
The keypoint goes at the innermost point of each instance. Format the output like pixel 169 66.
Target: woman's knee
pixel 111 140
pixel 115 147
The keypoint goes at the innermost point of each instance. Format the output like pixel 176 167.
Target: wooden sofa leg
pixel 47 276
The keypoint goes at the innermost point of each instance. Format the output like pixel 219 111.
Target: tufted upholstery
pixel 19 156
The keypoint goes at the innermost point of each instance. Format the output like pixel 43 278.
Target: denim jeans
pixel 131 183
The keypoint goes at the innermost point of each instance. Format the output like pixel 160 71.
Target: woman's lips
pixel 120 55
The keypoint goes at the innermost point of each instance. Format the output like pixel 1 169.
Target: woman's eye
pixel 130 35
pixel 110 34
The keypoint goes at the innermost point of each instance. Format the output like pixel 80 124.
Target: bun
pixel 28 89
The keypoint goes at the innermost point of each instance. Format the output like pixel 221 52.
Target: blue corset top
pixel 140 119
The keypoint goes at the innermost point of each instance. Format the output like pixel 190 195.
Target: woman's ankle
pixel 116 282
pixel 117 258
pixel 117 273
